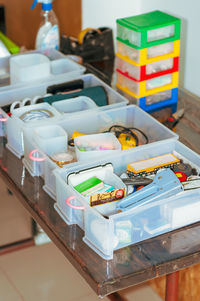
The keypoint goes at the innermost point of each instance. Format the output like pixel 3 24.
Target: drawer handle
pixel 31 156
pixel 68 201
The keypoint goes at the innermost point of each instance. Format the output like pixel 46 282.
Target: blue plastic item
pixel 172 102
pixel 165 184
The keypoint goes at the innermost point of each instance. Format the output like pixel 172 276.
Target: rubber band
pixel 68 201
pixel 35 158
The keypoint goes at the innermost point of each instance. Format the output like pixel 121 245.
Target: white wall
pixel 98 13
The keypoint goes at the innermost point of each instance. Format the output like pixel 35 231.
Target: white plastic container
pixel 17 121
pixel 90 147
pixel 28 67
pixel 49 140
pixel 105 235
pixel 73 105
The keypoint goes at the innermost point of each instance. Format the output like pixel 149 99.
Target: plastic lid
pixel 148 20
pixel 46 6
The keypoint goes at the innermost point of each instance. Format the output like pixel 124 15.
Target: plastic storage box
pixel 89 80
pixel 22 117
pixel 76 104
pixel 145 72
pixel 154 102
pixel 91 123
pixel 29 67
pixel 146 87
pixel 61 69
pixel 105 235
pixel 148 29
pixel 94 146
pixel 148 55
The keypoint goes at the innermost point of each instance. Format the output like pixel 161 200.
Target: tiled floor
pixel 42 273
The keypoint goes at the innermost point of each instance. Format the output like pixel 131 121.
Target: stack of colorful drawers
pixel 147 59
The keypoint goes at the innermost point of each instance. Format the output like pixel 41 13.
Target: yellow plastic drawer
pixel 147 87
pixel 148 55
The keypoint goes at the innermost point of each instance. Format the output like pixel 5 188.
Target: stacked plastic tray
pixel 147 60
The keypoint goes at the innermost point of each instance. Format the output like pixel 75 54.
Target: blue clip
pixel 165 184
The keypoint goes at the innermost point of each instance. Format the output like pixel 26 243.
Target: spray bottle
pixel 48 33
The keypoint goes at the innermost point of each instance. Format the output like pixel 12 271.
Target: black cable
pixel 118 129
pixel 71 142
pixel 143 134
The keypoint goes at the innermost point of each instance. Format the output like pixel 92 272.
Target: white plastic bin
pixel 49 141
pixel 16 122
pixel 73 105
pixel 29 67
pixel 105 235
pixel 90 147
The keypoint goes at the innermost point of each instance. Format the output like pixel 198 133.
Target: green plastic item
pixel 11 46
pixel 148 29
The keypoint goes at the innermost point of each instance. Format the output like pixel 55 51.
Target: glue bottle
pixel 48 33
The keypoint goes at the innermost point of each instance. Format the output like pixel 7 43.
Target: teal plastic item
pixel 97 94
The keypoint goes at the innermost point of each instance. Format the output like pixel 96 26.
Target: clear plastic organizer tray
pixel 32 72
pixel 105 229
pixel 14 132
pixel 148 71
pixel 146 87
pixel 148 55
pixel 90 123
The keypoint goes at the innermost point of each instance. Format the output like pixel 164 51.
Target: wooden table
pixel 158 256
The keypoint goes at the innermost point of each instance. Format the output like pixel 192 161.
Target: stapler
pixel 165 184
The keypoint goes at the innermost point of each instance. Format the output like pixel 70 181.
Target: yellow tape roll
pixel 85 31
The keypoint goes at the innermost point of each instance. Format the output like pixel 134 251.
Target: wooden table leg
pixel 171 292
